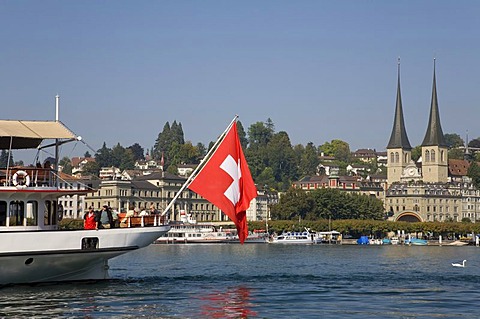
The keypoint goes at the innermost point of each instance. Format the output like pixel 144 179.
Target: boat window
pixel 3 213
pixel 47 216
pixel 32 213
pixel 89 243
pixel 17 213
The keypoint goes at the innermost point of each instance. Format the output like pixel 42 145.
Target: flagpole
pixel 199 166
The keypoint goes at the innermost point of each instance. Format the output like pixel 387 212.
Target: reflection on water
pixel 233 303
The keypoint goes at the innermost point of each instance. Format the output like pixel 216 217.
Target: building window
pixel 397 157
pixel 427 156
pixel 432 156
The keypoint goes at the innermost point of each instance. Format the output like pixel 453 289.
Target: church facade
pixel 423 191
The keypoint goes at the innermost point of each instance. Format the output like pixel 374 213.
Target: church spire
pixel 399 138
pixel 434 135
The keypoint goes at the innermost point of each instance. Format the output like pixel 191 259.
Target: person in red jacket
pixel 90 219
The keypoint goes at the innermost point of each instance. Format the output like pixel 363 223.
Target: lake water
pixel 266 281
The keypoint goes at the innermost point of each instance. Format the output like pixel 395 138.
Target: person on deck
pixel 90 219
pixel 106 219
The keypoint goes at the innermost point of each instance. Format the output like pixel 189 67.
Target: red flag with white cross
pixel 226 182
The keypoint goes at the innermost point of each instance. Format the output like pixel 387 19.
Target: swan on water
pixel 459 265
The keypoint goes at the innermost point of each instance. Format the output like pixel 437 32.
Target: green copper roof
pixel 434 135
pixel 399 138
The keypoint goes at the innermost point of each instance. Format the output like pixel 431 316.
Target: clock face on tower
pixel 411 171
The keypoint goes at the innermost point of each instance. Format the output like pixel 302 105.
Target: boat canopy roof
pixel 15 134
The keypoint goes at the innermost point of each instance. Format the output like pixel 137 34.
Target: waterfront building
pixel 349 184
pixel 259 209
pixel 156 189
pixel 72 204
pixel 433 188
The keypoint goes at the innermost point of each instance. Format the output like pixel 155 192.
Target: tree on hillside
pixel 337 148
pixel 128 160
pixel 177 133
pixel 201 149
pixel 103 157
pixel 474 173
pixel 475 143
pixel 453 140
pixel 259 135
pixel 281 158
pixel 456 153
pixel 66 165
pixel 137 151
pixel 416 153
pixel 309 160
pixel 242 136
pixel 163 142
pixel 91 169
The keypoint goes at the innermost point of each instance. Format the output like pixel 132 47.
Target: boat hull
pixel 54 256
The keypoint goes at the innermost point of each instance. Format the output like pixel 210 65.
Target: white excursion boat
pixel 305 237
pixel 32 247
pixel 188 231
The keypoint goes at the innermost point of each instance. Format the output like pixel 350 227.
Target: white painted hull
pixel 292 241
pixel 52 256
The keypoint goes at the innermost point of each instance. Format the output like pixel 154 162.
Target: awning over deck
pixel 29 134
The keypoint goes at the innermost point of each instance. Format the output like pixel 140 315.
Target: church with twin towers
pixel 429 189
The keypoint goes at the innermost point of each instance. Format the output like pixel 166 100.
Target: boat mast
pixel 57 107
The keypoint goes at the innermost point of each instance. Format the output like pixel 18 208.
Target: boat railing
pixel 142 221
pixel 27 176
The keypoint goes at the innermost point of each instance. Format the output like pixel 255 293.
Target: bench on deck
pixel 140 221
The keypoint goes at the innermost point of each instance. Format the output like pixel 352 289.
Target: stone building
pixel 425 191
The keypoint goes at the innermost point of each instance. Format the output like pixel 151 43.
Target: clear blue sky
pixel 321 70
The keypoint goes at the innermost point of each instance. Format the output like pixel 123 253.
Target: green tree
pixel 266 177
pixel 337 148
pixel 117 155
pixel 293 204
pixel 309 160
pixel 242 136
pixel 416 153
pixel 259 135
pixel 475 143
pixel 474 173
pixel 202 150
pixel 66 163
pixel 456 153
pixel 453 140
pixel 137 151
pixel 91 169
pixel 281 158
pixel 103 157
pixel 163 142
pixel 177 133
pixel 128 160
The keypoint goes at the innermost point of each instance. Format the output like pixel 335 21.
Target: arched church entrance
pixel 410 217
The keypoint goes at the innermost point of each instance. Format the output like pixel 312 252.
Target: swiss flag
pixel 226 182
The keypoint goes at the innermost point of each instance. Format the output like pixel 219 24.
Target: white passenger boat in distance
pixel 32 247
pixel 189 231
pixel 305 237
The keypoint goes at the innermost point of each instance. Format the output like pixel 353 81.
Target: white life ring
pixel 24 180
